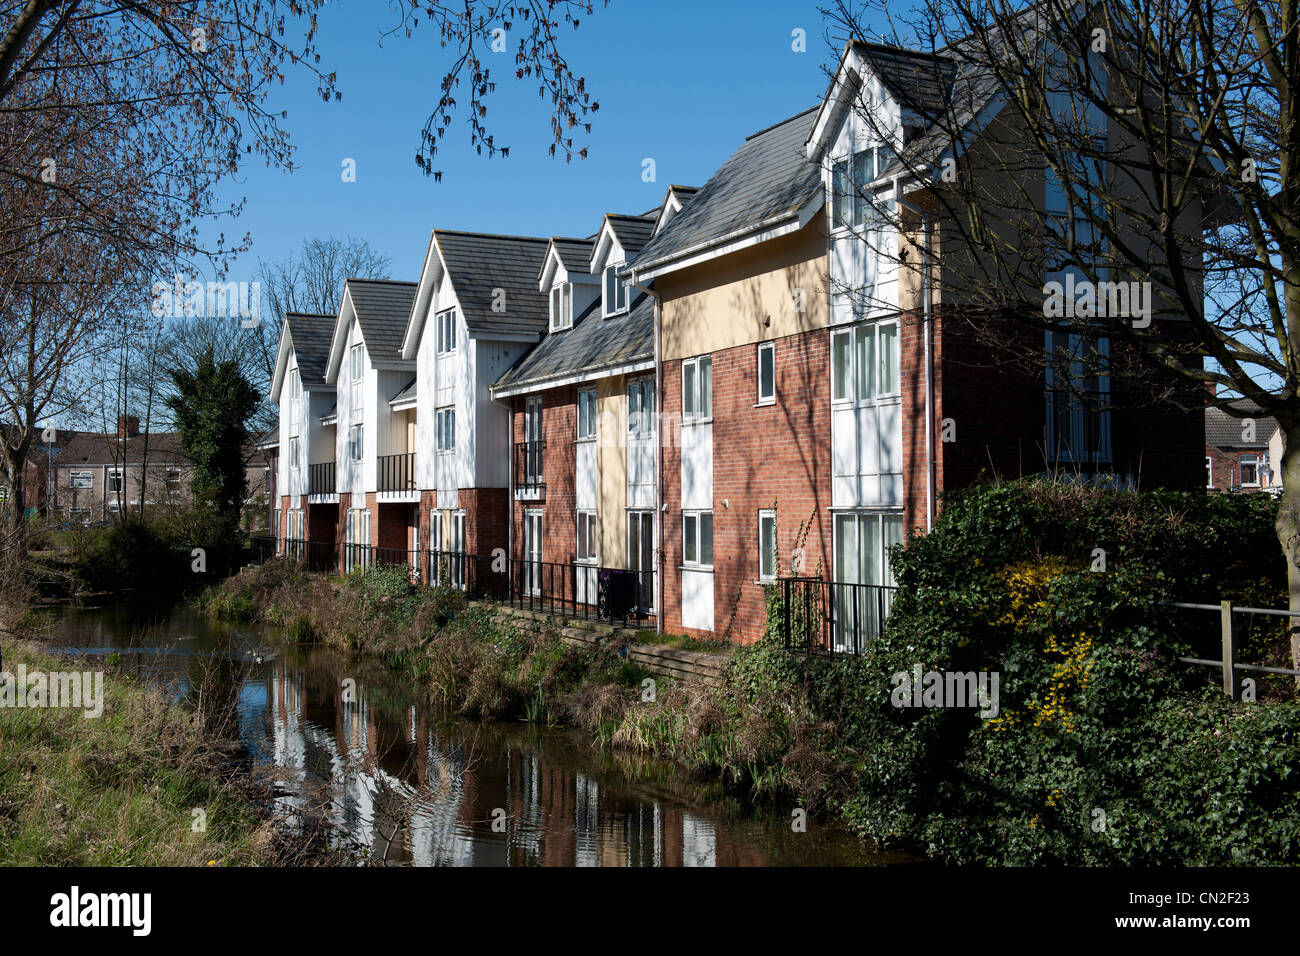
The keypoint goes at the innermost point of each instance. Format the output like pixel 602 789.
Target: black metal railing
pixel 320 478
pixel 528 465
pixel 832 617
pixel 261 547
pixel 397 472
pixel 315 555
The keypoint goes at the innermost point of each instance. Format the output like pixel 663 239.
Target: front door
pixel 640 556
pixel 533 553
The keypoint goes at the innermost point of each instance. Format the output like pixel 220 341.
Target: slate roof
pixel 480 263
pixel 310 335
pixel 407 394
pixel 633 232
pixel 767 177
pixel 383 308
pixel 918 81
pixel 94 448
pixel 1224 431
pixel 574 253
pixel 592 344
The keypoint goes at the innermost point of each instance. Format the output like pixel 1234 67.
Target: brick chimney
pixel 128 426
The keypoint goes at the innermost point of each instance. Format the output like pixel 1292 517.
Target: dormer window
pixel 561 306
pixel 855 202
pixel 446 321
pixel 615 299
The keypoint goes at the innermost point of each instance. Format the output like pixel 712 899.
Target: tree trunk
pixel 1288 531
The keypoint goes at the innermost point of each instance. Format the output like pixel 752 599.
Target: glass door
pixel 533 553
pixel 640 556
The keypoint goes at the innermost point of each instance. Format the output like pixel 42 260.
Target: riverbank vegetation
pixel 1104 748
pixel 145 784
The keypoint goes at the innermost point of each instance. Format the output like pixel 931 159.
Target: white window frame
pixel 640 418
pixel 1209 471
pixel 693 538
pixel 116 481
pixel 766 516
pixel 294 456
pixel 855 335
pixel 768 349
pixel 81 475
pixel 445 429
pixel 1254 461
pixel 852 178
pixel 700 405
pixel 586 532
pixel 619 289
pixel 357 441
pixel 586 424
pixel 561 306
pixel 357 361
pixel 445 327
pixel 295 397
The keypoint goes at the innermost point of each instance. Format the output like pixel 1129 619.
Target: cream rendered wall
pixel 724 303
pixel 611 464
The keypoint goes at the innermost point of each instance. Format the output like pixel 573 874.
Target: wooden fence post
pixel 1229 650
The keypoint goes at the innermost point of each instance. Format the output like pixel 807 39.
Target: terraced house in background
pixel 765 382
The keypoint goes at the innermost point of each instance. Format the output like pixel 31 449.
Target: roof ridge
pixel 490 235
pixel 391 281
pixel 905 51
pixel 788 119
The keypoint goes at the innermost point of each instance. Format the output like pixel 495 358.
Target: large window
pixel 863 575
pixel 445 427
pixel 864 363
pixel 1078 392
pixel 857 201
pixel 615 293
pixel 697 388
pixel 358 361
pixel 81 479
pixel 446 333
pixel 641 407
pixel 697 538
pixel 767 545
pixel 586 414
pixel 766 373
pixel 561 306
pixel 586 536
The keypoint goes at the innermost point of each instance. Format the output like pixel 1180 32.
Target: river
pixel 403 783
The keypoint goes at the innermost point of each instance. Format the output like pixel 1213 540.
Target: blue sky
pixel 682 83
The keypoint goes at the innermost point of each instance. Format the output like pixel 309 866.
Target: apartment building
pixel 372 421
pixel 583 403
pixel 306 495
pixel 475 310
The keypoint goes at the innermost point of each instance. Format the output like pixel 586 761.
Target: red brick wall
pixel 486 519
pixel 1227 465
pixel 559 462
pixel 322 521
pixel 774 456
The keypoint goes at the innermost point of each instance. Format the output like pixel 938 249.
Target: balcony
pixel 320 478
pixel 397 473
pixel 528 469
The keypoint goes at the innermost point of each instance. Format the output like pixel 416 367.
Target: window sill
pixel 704 568
pixel 697 421
pixel 766 403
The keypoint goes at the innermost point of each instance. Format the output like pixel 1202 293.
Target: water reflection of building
pixel 413 794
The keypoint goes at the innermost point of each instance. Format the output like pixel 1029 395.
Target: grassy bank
pixel 121 789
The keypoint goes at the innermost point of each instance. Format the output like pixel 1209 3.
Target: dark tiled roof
pixel 310 335
pixel 633 232
pixel 383 308
pixel 574 253
pixel 769 176
pixel 592 344
pixel 406 394
pixel 1224 431
pixel 918 81
pixel 93 448
pixel 478 264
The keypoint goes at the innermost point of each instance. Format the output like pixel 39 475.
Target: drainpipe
pixel 927 312
pixel 659 478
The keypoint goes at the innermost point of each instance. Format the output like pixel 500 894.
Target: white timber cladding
pixel 866 425
pixel 358 405
pixel 697 490
pixel 641 431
